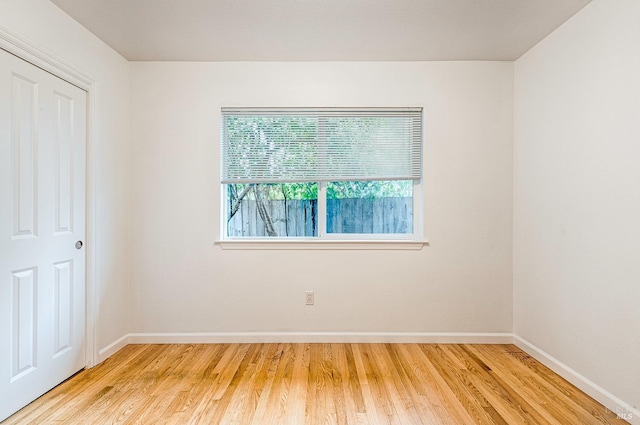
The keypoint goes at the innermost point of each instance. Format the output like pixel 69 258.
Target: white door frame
pixel 54 64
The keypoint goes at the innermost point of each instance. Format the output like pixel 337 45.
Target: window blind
pixel 262 145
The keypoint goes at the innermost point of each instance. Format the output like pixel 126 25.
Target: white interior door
pixel 42 216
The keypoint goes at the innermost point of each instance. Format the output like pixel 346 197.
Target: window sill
pixel 265 244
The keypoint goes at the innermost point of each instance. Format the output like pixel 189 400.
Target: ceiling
pixel 321 30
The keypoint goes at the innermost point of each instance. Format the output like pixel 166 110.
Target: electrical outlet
pixel 308 298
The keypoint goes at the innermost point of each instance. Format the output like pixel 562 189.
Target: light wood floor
pixel 316 384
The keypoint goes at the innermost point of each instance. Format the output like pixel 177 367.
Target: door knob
pixel 79 244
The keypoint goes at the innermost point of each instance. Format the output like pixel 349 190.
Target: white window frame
pixel 324 240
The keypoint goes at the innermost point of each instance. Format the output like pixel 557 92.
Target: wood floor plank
pixel 520 387
pixel 297 397
pixel 426 386
pixel 400 398
pixel 503 399
pixel 407 373
pixel 263 388
pixel 350 387
pixel 473 401
pixel 565 401
pixel 372 413
pixel 381 401
pixel 341 384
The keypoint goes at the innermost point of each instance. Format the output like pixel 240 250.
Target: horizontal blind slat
pixel 290 145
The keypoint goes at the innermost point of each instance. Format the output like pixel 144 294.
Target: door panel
pixel 42 215
pixel 24 131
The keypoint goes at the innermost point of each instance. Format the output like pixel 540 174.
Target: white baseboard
pixel 317 337
pixel 611 402
pixel 113 348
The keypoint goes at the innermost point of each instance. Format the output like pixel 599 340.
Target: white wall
pixel 44 24
pixel 181 282
pixel 577 196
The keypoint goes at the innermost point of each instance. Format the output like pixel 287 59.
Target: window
pixel 331 174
